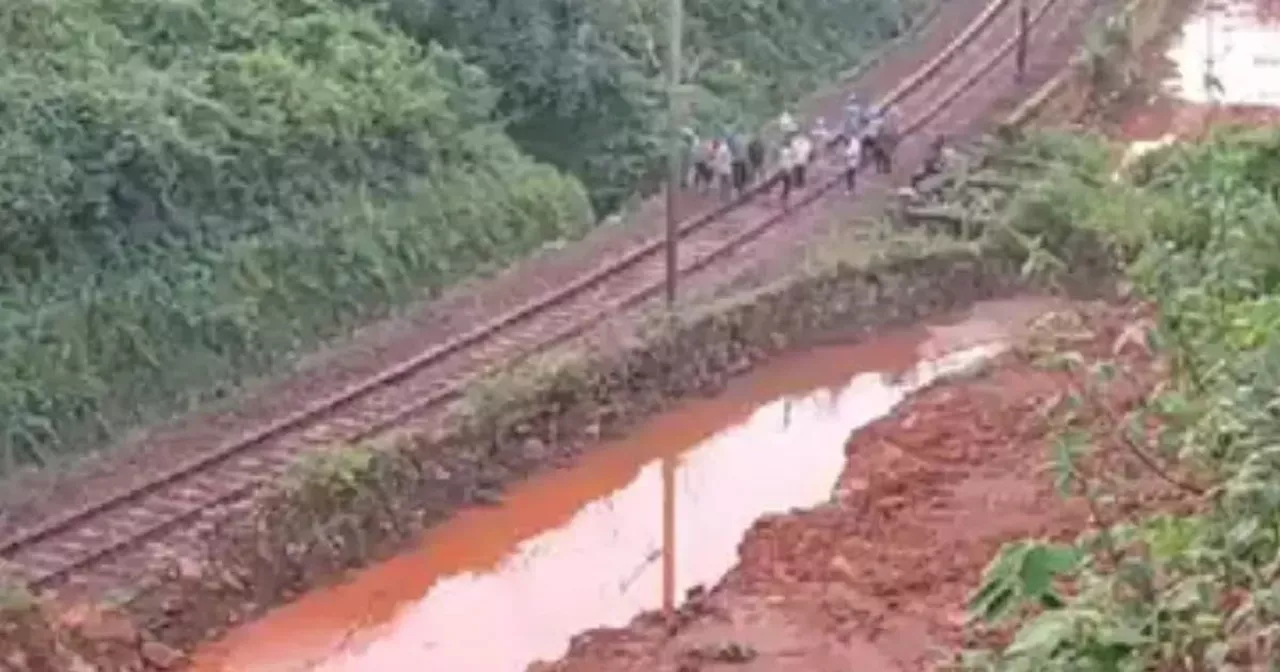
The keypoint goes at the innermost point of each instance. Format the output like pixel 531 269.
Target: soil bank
pixel 354 506
pixel 582 547
pixel 877 578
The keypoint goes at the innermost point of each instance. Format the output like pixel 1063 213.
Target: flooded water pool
pixel 1224 67
pixel 496 589
pixel 1229 52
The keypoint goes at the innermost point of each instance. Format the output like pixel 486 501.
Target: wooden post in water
pixel 669 536
pixel 674 60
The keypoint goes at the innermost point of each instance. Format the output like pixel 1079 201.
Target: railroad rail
pixel 83 541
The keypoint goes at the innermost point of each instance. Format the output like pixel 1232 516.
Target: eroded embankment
pixel 878 578
pixel 356 505
pixel 586 546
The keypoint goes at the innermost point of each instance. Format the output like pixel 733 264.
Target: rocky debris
pixel 160 656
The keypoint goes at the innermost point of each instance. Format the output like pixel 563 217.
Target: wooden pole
pixel 674 60
pixel 1024 27
pixel 673 156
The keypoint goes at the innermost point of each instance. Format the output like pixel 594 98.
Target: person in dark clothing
pixel 934 162
pixel 755 158
pixel 879 139
pixel 787 171
pixel 703 174
pixel 801 156
pixel 852 162
pixel 738 165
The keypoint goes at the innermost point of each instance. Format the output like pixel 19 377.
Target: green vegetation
pixel 582 82
pixel 194 192
pixel 1199 230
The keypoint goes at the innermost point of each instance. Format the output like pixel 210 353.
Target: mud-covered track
pixel 84 542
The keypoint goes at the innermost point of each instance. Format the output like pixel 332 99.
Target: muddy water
pixel 495 589
pixel 1228 53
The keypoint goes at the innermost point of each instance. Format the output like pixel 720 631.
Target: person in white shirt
pixel 722 165
pixel 802 154
pixel 854 116
pixel 852 162
pixel 787 124
pixel 786 170
pixel 821 135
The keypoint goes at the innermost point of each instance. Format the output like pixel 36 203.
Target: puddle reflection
pixel 493 590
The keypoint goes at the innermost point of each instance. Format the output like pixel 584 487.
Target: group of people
pixel 729 162
pixel 734 161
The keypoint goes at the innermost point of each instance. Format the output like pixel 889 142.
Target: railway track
pixel 93 543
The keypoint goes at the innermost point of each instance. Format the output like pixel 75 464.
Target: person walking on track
pixel 787 124
pixel 821 135
pixel 854 118
pixel 689 157
pixel 875 142
pixel 703 175
pixel 786 171
pixel 738 155
pixel 802 155
pixel 722 166
pixel 889 136
pixel 852 163
pixel 755 157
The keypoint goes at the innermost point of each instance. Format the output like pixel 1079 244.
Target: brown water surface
pixel 495 589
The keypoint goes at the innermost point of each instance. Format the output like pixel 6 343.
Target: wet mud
pixel 499 588
pixel 878 577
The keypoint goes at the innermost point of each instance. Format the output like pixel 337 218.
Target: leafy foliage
pixel 196 191
pixel 582 80
pixel 1170 591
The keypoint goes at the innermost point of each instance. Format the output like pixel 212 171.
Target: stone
pixel 78 664
pixel 842 568
pixel 489 497
pixel 535 448
pixel 107 627
pixel 161 656
pixel 189 568
pixel 16 660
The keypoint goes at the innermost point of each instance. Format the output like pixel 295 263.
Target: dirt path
pixel 878 578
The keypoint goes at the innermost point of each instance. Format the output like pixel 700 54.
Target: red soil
pixel 878 578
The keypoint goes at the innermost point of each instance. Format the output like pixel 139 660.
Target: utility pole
pixel 1212 85
pixel 1024 26
pixel 674 60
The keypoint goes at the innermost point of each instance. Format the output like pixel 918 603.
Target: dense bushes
pixel 194 191
pixel 582 84
pixel 1201 230
pixel 132 122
